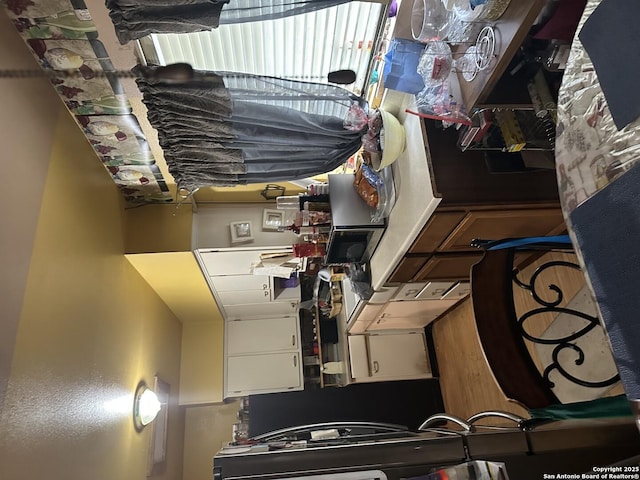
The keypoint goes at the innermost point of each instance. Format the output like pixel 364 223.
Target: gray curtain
pixel 224 129
pixel 134 19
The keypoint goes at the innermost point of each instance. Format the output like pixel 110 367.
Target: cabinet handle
pixel 376 367
pixel 295 360
pixel 293 340
pixel 266 293
pixel 265 286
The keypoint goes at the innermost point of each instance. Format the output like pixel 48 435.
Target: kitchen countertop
pixel 415 197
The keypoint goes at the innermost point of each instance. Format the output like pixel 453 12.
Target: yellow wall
pixel 25 162
pixel 201 370
pixel 206 430
pixel 90 329
pixel 158 228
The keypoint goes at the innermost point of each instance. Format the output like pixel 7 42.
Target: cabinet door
pixel 235 283
pixel 230 263
pixel 498 224
pixel 267 309
pixel 449 266
pixel 407 268
pixel 438 228
pixel 262 335
pixel 243 297
pixel 264 373
pixel 398 355
pixel 367 315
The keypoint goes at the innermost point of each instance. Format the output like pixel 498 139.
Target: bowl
pixel 430 20
pixel 392 141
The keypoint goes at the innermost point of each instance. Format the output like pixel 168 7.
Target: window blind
pixel 304 47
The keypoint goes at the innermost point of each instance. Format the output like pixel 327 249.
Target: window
pixel 303 47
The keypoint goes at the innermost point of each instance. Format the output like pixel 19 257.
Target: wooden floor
pixel 466 382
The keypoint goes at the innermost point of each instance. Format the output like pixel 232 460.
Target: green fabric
pixel 617 406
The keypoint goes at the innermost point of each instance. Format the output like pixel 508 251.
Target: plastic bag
pixel 435 64
pixel 360 279
pixel 437 103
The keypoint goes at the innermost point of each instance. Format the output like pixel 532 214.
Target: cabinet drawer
pixel 449 266
pixel 436 231
pixel 498 224
pixel 234 283
pixel 260 310
pixel 410 314
pixel 262 335
pixel 243 297
pixel 407 268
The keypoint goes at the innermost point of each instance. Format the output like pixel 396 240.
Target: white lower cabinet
pixel 396 356
pixel 263 373
pixel 263 355
pixel 388 356
pixel 262 335
pixel 245 296
pixel 235 283
pixel 267 309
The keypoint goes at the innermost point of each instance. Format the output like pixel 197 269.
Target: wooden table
pixel 511 30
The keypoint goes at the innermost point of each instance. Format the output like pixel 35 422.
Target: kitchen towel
pixel 607 227
pixel 611 38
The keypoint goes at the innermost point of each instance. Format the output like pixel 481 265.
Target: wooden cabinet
pixel 439 226
pixel 448 266
pixel 494 225
pixel 263 335
pixel 263 373
pixel 443 251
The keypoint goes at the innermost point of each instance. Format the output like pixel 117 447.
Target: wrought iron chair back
pixel 502 333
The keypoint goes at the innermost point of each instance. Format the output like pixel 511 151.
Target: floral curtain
pixel 134 19
pixel 224 129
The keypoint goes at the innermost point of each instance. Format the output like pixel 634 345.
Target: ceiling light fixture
pixel 145 406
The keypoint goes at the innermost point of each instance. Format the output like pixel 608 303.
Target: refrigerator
pixel 367 451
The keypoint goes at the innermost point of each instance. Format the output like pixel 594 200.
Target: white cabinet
pixel 263 355
pixel 410 314
pixel 244 296
pixel 270 309
pixel 234 283
pixel 388 356
pixel 263 335
pixel 263 373
pixel 398 355
pixel 235 261
pixel 230 262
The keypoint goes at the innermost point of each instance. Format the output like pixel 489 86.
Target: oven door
pixel 352 245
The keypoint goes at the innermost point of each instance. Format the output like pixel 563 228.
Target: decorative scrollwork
pixel 531 286
pixel 556 365
pixel 565 342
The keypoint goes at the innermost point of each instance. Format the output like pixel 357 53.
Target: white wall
pixel 211 226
